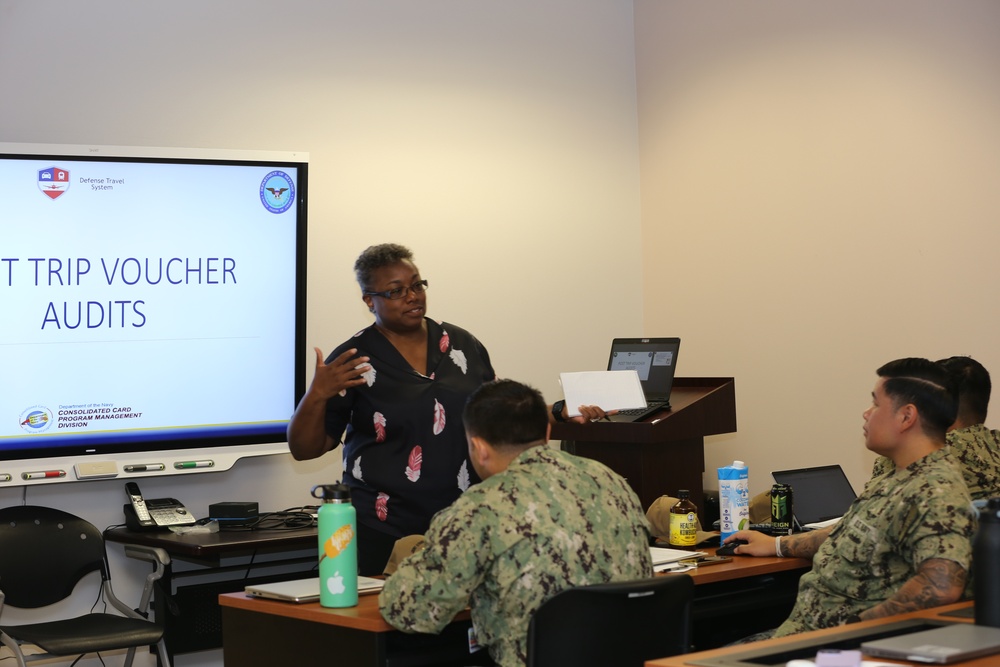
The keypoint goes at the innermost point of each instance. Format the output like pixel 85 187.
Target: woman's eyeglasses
pixel 400 292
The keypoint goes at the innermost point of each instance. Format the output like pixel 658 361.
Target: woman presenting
pixel 398 387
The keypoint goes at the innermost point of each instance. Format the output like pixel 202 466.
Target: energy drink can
pixel 781 510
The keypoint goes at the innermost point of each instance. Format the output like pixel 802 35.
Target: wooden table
pixel 264 633
pixel 744 567
pixel 359 635
pixel 806 644
pixel 742 597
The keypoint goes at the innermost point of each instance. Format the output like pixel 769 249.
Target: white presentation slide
pixel 145 296
pixel 640 362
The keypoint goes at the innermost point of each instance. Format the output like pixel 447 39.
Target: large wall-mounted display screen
pixel 152 299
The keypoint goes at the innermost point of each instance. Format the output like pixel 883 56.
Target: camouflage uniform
pixel 977 451
pixel 900 520
pixel 548 522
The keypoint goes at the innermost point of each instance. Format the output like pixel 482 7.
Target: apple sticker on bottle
pixel 336 584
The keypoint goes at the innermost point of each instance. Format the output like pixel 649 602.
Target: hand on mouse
pixel 729 547
pixel 750 543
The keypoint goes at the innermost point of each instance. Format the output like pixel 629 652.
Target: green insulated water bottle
pixel 338 546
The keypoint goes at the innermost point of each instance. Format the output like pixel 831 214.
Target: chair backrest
pixel 621 624
pixel 44 552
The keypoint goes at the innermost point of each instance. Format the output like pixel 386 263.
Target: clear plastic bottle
pixel 338 546
pixel 683 521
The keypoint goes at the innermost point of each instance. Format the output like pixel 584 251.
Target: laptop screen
pixel 654 359
pixel 818 494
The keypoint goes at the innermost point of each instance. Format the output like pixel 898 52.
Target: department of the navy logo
pixel 36 419
pixel 53 181
pixel 277 192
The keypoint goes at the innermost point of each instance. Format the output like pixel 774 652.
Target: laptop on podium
pixel 655 360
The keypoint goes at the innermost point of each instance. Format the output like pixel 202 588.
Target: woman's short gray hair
pixel 375 257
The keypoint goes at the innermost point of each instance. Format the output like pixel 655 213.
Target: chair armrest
pixel 152 554
pixel 160 560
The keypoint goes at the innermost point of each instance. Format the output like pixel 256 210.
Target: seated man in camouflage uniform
pixel 975 447
pixel 905 543
pixel 539 522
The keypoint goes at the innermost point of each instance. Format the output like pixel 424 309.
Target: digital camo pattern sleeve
pixel 977 451
pixel 911 516
pixel 550 521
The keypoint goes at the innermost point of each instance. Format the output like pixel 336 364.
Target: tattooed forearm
pixel 804 545
pixel 938 581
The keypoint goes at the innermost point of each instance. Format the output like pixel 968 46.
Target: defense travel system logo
pixel 53 181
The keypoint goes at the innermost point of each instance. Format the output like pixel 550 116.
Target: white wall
pixel 817 182
pixel 819 196
pixel 498 140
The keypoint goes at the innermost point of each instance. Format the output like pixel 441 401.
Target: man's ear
pixel 907 416
pixel 368 302
pixel 479 451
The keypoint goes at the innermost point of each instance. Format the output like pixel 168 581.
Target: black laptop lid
pixel 654 359
pixel 818 494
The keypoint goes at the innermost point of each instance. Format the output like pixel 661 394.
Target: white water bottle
pixel 734 498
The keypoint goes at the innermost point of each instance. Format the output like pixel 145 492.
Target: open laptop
pixel 655 360
pixel 305 590
pixel 944 645
pixel 820 495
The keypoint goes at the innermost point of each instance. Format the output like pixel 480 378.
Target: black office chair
pixel 44 553
pixel 621 624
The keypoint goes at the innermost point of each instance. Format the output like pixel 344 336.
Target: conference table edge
pixel 684 660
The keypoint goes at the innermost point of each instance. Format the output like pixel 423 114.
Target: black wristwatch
pixel 557 409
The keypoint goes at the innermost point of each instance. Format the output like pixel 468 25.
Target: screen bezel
pixel 170 453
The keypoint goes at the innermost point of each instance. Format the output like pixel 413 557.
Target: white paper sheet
pixel 609 390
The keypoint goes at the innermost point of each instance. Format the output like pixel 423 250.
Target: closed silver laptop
pixel 304 590
pixel 941 646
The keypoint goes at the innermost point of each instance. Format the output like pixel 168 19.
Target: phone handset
pixel 139 505
pixel 155 512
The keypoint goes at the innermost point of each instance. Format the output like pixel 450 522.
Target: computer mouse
pixel 728 548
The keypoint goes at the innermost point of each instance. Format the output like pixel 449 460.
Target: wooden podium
pixel 667 451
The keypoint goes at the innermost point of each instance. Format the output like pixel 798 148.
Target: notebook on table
pixel 820 495
pixel 942 646
pixel 305 590
pixel 655 361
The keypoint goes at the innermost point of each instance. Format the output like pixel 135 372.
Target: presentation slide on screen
pixel 641 362
pixel 144 297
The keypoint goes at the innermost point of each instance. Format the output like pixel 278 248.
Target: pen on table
pixel 680 566
pixel 149 467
